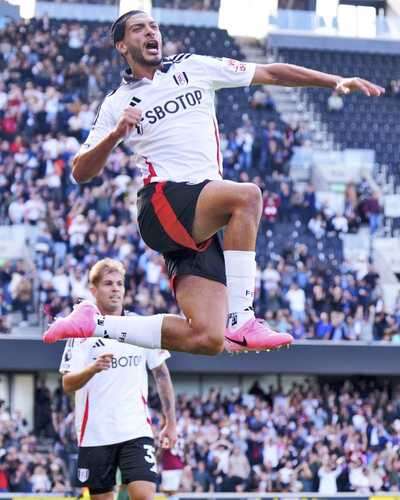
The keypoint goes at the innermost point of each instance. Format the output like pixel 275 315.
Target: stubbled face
pixel 142 43
pixel 109 293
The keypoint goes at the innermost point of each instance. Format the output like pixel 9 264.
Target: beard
pixel 138 56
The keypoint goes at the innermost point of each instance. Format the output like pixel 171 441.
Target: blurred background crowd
pixel 320 434
pixel 53 77
pixel 322 437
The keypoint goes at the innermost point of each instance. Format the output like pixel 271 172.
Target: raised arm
pixel 289 75
pixel 165 389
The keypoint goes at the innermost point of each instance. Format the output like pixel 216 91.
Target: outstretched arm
pixel 289 75
pixel 165 389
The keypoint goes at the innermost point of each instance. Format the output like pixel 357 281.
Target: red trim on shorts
pixel 171 224
pixel 152 172
pixel 216 131
pixel 85 420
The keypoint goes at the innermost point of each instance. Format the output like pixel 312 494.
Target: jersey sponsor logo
pixel 236 66
pixel 181 78
pixel 126 361
pixel 83 475
pixel 180 103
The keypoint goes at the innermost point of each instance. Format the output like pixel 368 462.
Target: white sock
pixel 142 331
pixel 240 267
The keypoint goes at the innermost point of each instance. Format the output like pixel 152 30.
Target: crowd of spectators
pixel 89 2
pixel 314 437
pixel 53 77
pixel 203 5
pixel 30 462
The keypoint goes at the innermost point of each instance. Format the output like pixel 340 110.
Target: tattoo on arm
pixel 165 391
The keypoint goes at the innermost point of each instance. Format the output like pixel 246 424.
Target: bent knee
pixel 251 197
pixel 211 346
pixel 208 340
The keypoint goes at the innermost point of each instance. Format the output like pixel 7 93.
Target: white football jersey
pixel 112 407
pixel 177 138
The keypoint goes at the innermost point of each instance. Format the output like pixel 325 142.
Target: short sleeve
pixel 225 72
pixel 73 358
pixel 156 357
pixel 103 124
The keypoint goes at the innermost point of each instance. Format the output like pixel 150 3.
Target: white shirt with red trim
pixel 112 407
pixel 177 138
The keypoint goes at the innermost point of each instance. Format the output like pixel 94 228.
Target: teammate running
pixel 110 384
pixel 164 111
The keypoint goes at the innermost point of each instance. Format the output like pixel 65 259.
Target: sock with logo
pixel 240 269
pixel 142 331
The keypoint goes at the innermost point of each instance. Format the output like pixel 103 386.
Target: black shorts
pixel 165 215
pixel 97 465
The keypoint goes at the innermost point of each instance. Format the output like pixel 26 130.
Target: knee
pixel 208 340
pixel 212 345
pixel 251 198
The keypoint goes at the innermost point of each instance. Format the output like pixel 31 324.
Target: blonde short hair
pixel 102 267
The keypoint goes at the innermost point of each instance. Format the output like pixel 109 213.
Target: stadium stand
pixel 322 437
pixel 188 4
pixel 359 123
pixel 315 437
pixel 54 76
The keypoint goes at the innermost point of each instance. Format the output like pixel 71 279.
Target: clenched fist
pixel 103 362
pixel 129 119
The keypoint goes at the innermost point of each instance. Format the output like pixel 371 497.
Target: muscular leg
pixel 204 304
pixel 141 490
pixel 235 206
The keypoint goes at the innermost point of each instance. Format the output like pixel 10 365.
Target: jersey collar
pixel 129 77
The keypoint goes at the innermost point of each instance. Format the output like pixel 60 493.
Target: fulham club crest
pixel 83 475
pixel 181 79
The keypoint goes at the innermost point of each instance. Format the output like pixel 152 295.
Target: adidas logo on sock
pixel 232 319
pixel 100 320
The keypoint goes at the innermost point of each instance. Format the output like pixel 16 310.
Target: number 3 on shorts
pixel 150 457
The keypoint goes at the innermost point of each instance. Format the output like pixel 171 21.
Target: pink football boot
pixel 80 323
pixel 255 335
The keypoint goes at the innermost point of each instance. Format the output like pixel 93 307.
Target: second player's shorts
pixel 97 465
pixel 165 215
